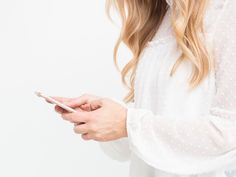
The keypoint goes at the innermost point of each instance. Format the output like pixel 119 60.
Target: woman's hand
pixel 99 119
pixel 79 103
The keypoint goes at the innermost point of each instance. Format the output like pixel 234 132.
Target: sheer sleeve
pixel 118 149
pixel 198 144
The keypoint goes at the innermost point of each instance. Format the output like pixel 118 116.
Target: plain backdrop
pixel 62 48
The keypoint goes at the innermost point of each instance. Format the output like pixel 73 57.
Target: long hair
pixel 141 19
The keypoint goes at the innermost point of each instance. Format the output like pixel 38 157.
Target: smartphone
pixel 63 106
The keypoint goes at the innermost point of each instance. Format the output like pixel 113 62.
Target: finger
pixel 77 102
pixel 86 107
pixel 59 110
pixel 78 109
pixel 81 129
pixel 95 104
pixel 76 117
pixel 75 124
pixel 86 136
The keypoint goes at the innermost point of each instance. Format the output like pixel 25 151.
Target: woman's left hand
pixel 105 123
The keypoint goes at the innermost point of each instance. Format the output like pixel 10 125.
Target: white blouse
pixel 173 131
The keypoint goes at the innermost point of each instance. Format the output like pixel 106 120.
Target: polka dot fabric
pixel 176 132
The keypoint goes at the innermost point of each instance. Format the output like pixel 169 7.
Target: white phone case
pixel 55 102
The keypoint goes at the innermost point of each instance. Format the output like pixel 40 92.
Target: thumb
pixel 76 102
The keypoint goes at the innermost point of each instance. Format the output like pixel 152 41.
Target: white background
pixel 63 48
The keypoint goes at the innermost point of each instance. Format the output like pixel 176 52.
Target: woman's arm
pixel 118 149
pixel 196 144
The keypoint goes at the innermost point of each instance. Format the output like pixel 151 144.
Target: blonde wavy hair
pixel 141 19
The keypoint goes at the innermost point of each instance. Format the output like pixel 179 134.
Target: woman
pixel 180 116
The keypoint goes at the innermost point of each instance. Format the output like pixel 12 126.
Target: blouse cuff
pixel 133 125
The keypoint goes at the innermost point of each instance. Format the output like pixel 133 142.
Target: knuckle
pixel 93 128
